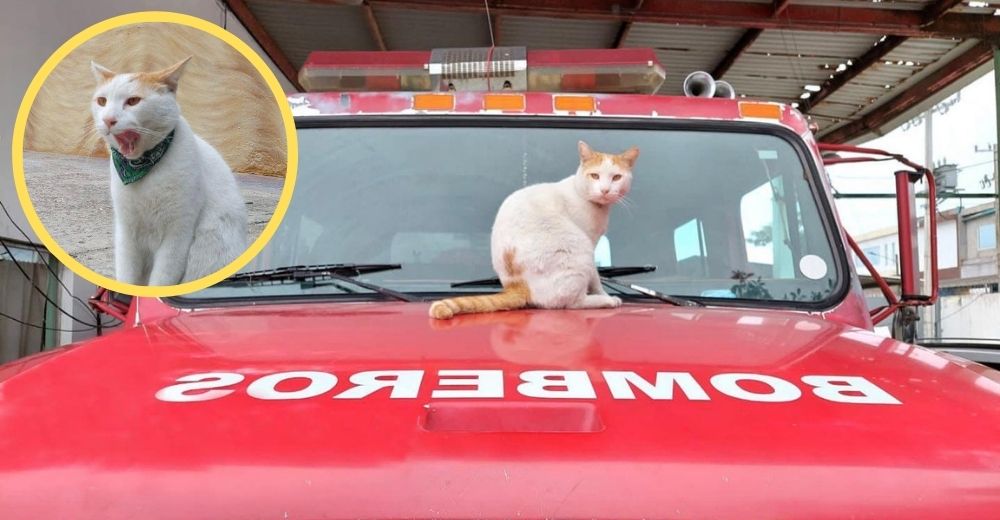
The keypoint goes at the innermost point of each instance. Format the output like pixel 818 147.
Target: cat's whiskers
pixel 93 131
pixel 627 204
pixel 92 134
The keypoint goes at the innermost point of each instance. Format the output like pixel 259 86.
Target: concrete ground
pixel 71 197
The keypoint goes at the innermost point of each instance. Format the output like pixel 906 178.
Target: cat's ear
pixel 630 155
pixel 586 153
pixel 171 75
pixel 101 74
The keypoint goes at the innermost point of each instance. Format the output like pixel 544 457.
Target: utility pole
pixel 930 324
pixel 996 155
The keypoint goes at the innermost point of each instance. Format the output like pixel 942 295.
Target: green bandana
pixel 133 170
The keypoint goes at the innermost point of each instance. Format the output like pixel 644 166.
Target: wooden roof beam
pixel 934 12
pixel 748 15
pixel 627 26
pixel 873 56
pixel 779 7
pixel 911 97
pixel 744 43
pixel 264 39
pixel 373 27
pixel 931 14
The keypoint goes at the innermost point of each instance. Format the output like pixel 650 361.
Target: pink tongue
pixel 126 141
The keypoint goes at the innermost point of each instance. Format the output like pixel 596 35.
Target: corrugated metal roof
pixel 910 5
pixel 777 66
pixel 553 33
pixel 780 64
pixel 912 61
pixel 410 29
pixel 913 58
pixel 825 44
pixel 881 4
pixel 683 49
pixel 301 28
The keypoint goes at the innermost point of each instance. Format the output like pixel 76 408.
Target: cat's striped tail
pixel 515 295
pixel 512 297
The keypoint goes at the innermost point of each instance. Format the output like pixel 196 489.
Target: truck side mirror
pixel 907 218
pixel 906 212
pixel 109 303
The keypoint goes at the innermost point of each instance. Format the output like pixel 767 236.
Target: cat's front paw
pixel 615 301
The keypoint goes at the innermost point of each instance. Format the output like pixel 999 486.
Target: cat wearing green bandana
pixel 178 211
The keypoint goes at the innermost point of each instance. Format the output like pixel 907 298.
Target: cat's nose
pixel 110 121
pixel 605 190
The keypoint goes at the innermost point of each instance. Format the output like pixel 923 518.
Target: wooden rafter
pixel 745 14
pixel 779 7
pixel 935 11
pixel 626 26
pixel 373 26
pixel 923 89
pixel 264 39
pixel 930 14
pixel 873 56
pixel 744 43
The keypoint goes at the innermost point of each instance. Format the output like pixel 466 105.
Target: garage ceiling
pixel 854 66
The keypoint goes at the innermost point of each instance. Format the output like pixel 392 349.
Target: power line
pixel 54 274
pixel 47 266
pixel 43 254
pixel 970 302
pixel 12 318
pixel 39 290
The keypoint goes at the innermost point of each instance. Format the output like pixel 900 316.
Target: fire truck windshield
pixel 727 214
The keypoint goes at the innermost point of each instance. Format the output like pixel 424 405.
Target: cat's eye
pixel 617 177
pixel 595 176
pixel 132 101
pixel 102 101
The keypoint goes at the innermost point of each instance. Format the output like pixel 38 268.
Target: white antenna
pixel 489 21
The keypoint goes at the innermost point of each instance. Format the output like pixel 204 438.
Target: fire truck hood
pixel 373 410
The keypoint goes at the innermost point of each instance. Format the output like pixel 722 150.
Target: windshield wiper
pixel 311 274
pixel 605 272
pixel 676 300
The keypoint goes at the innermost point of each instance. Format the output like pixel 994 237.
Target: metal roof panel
pixel 556 33
pixel 301 28
pixel 412 29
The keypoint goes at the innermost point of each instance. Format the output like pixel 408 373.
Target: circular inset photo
pixel 155 154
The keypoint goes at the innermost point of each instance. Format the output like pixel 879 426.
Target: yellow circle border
pixel 17 153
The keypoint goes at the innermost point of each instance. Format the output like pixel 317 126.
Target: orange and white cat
pixel 544 237
pixel 178 211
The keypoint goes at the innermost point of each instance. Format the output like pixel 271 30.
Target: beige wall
pixel 970 316
pixel 221 94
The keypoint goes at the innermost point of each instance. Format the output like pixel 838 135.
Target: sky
pixel 960 123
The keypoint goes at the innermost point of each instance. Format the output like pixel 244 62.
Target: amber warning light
pixel 485 69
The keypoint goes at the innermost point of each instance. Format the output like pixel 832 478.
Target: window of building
pixel 987 236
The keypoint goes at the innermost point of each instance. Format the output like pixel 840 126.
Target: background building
pixel 43 304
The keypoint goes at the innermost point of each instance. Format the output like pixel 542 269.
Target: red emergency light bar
pixel 366 71
pixel 634 71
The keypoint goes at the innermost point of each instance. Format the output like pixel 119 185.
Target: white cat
pixel 178 211
pixel 544 237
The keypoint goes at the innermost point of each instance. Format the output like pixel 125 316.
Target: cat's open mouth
pixel 126 142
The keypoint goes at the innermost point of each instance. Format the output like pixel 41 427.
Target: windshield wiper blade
pixel 370 286
pixel 613 271
pixel 295 272
pixel 675 300
pixel 310 274
pixel 605 272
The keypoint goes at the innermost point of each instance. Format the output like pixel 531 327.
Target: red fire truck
pixel 740 379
